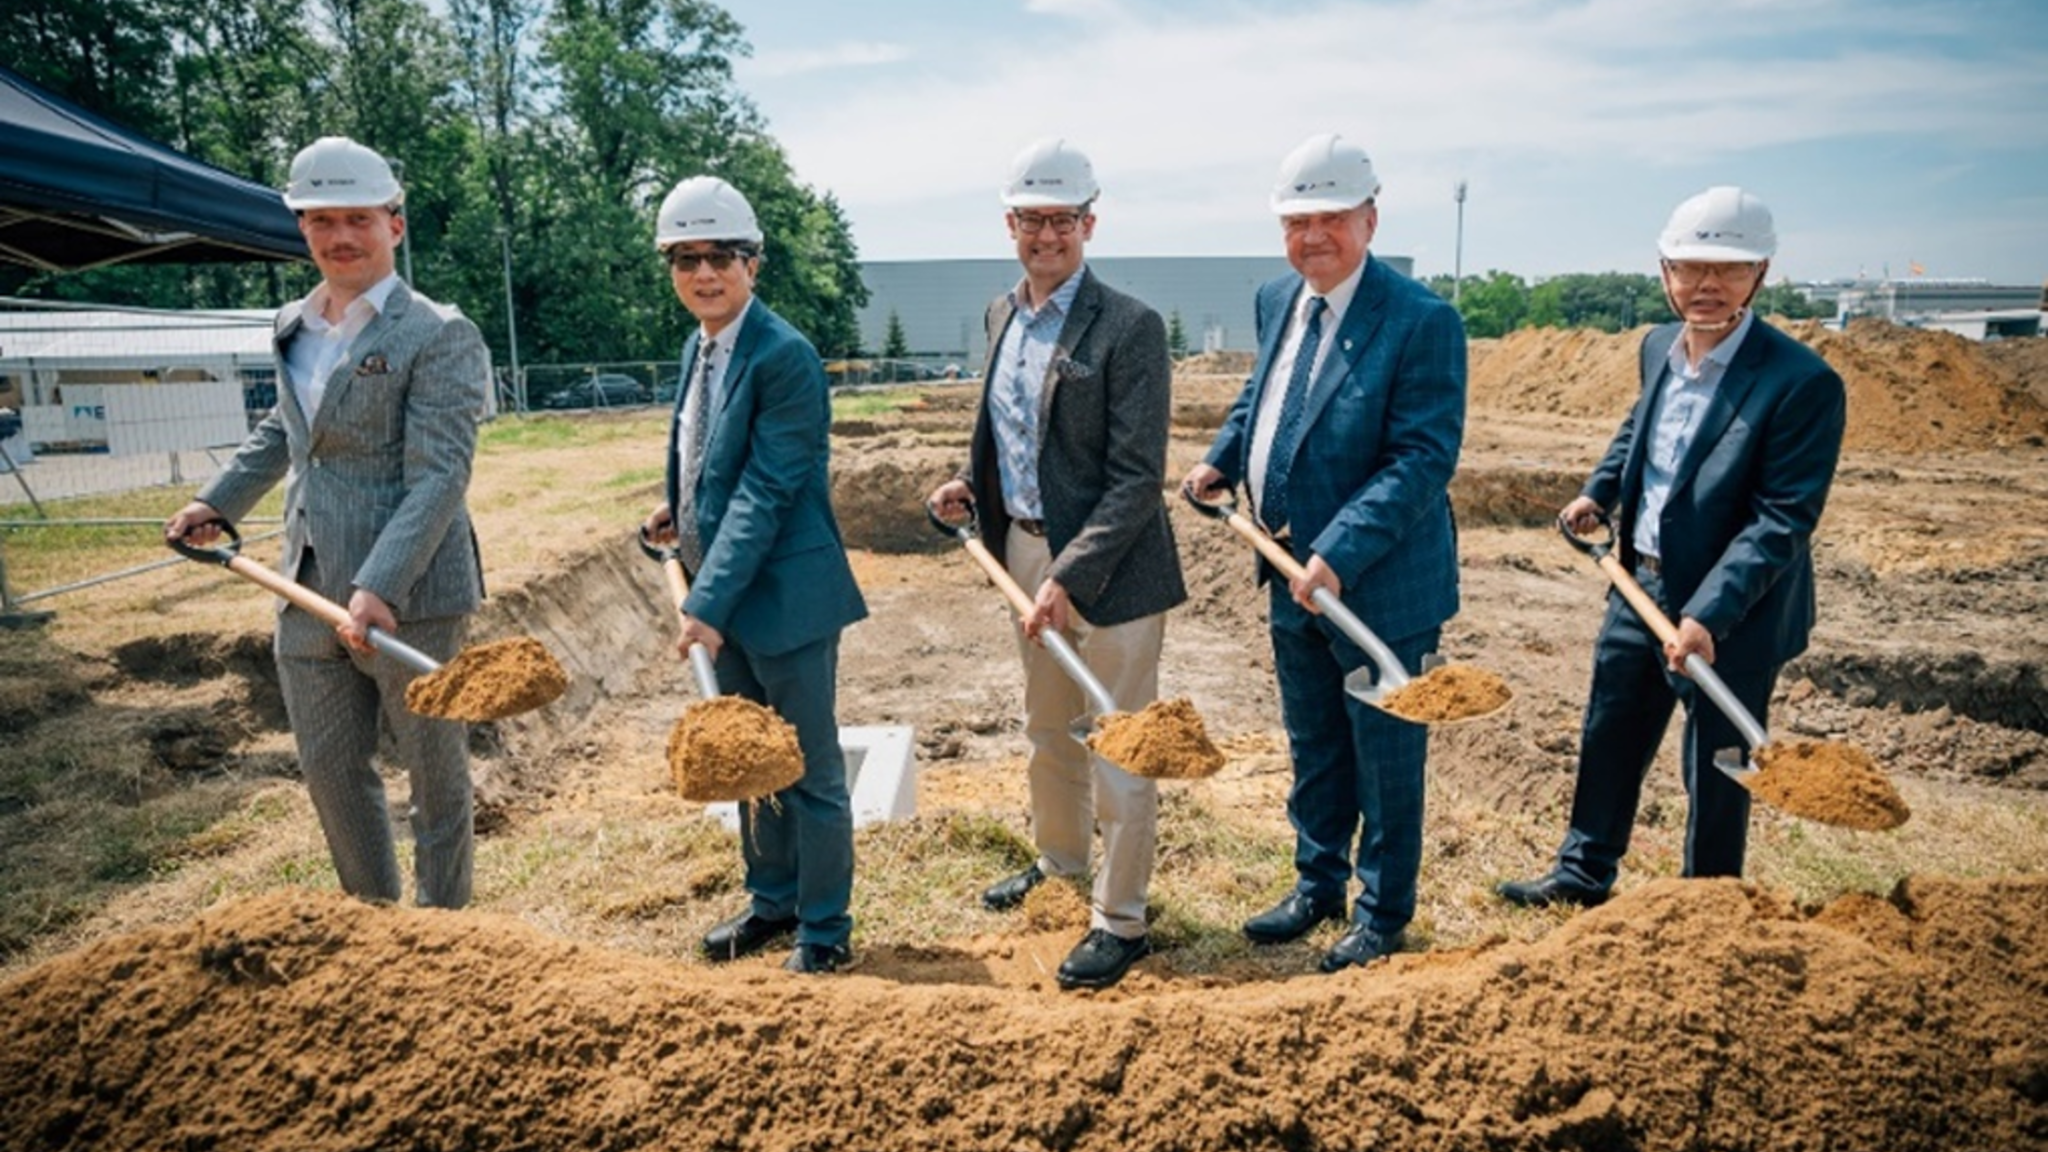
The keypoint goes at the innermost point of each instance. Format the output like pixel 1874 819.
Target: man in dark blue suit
pixel 750 505
pixel 1346 436
pixel 1716 481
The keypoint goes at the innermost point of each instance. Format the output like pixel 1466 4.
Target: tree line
pixel 1500 302
pixel 546 131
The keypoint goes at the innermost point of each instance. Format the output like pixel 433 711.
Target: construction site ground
pixel 180 970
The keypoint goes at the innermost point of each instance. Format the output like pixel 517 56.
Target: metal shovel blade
pixel 1735 765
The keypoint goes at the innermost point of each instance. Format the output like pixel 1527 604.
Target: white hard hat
pixel 1325 173
pixel 1723 224
pixel 337 172
pixel 1051 173
pixel 705 208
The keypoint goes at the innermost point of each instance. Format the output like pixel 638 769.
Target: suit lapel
pixel 1354 332
pixel 1087 305
pixel 1656 355
pixel 366 343
pixel 744 341
pixel 289 320
pixel 1744 369
pixel 1269 350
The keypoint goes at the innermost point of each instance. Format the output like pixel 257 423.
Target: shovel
pixel 1360 685
pixel 723 747
pixel 1733 761
pixel 671 562
pixel 1099 699
pixel 545 683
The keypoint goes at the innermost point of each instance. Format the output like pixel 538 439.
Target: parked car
pixel 605 390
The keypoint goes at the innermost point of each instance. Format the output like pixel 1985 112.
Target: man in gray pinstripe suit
pixel 374 431
pixel 1065 469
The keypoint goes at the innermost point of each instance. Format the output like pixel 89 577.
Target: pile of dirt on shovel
pixel 1702 1014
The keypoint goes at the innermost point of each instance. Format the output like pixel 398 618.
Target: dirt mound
pixel 1684 1014
pixel 1910 390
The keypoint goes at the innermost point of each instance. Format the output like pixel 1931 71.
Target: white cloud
pixel 798 62
pixel 1187 110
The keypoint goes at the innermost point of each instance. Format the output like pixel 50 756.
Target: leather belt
pixel 1030 527
pixel 1651 564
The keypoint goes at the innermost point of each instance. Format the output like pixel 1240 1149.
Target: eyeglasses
pixel 719 261
pixel 1690 272
pixel 1032 223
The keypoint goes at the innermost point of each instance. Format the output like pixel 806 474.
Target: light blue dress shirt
pixel 1029 343
pixel 1688 391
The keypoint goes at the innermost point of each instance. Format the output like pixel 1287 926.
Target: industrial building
pixel 941 303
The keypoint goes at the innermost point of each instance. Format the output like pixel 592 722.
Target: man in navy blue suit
pixel 1346 436
pixel 750 505
pixel 1716 481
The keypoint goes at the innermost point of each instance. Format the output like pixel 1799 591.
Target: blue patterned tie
pixel 697 433
pixel 1280 458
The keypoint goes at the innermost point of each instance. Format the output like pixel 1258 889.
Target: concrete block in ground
pixel 881 772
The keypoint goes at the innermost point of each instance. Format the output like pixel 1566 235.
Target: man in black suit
pixel 1066 468
pixel 1716 481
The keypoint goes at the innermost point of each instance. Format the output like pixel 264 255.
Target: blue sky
pixel 1881 133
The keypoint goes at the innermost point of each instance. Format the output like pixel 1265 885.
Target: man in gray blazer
pixel 380 391
pixel 1065 471
pixel 1716 480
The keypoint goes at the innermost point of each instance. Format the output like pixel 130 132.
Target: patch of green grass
pixel 532 432
pixel 865 404
pixel 41 557
pixel 636 477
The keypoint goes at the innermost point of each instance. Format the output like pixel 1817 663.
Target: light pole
pixel 1458 265
pixel 512 322
pixel 405 237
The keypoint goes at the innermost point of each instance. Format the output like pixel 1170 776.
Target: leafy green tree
pixel 1176 336
pixel 1494 304
pixel 1782 299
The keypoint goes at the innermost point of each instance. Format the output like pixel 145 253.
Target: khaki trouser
pixel 1074 793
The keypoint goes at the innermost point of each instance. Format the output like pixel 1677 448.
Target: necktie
pixel 696 433
pixel 1280 458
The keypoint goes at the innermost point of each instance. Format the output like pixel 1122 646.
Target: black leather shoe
pixel 818 959
pixel 1290 919
pixel 1010 891
pixel 1549 889
pixel 743 935
pixel 1361 946
pixel 1101 959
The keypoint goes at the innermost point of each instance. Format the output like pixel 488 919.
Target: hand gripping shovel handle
pixel 671 561
pixel 230 556
pixel 1392 675
pixel 1062 652
pixel 1701 672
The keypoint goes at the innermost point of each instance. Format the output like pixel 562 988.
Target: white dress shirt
pixel 318 347
pixel 1274 396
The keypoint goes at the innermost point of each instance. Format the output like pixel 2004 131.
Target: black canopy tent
pixel 78 191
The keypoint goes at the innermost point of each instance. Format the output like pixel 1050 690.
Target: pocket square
pixel 1067 369
pixel 373 365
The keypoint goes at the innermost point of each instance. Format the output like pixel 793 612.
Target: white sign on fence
pixel 171 417
pixel 136 419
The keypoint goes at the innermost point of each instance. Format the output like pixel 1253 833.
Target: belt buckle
pixel 1030 527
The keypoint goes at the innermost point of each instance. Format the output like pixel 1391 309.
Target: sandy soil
pixel 1681 1016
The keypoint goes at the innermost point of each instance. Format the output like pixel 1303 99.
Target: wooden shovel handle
pixel 1638 599
pixel 1024 604
pixel 1275 552
pixel 300 595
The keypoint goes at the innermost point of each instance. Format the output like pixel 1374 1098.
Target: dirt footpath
pixel 1712 1015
